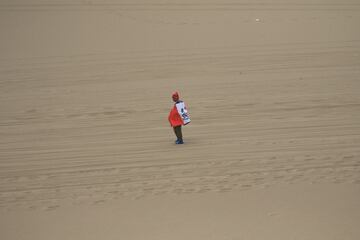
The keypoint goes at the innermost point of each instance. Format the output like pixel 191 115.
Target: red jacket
pixel 174 117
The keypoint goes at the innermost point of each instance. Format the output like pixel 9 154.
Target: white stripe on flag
pixel 183 112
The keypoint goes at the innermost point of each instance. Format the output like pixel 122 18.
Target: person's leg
pixel 178 134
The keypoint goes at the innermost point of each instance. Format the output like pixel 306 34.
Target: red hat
pixel 175 96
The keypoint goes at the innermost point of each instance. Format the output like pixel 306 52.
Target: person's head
pixel 175 96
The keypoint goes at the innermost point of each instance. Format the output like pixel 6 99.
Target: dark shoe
pixel 179 141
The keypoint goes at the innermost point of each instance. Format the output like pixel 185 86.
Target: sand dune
pixel 272 152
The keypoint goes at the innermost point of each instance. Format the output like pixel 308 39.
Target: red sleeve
pixel 174 118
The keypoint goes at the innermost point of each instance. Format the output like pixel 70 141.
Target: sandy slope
pixel 273 150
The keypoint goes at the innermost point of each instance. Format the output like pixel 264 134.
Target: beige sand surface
pixel 273 150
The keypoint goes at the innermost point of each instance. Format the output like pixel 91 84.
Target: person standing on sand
pixel 178 116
